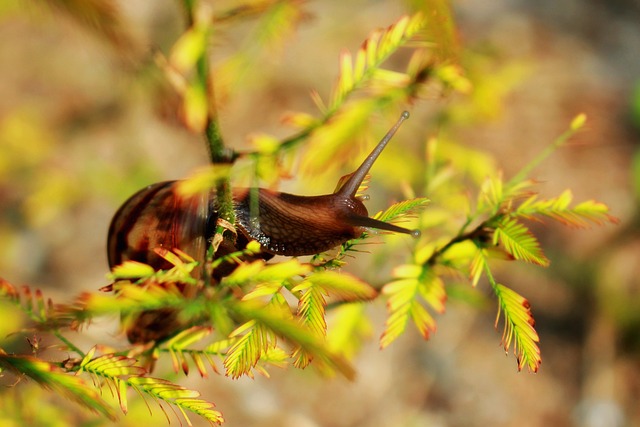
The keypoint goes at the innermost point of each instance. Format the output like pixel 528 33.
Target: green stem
pixel 549 149
pixel 68 343
pixel 218 152
pixel 477 232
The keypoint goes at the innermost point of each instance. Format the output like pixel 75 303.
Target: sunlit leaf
pixel 254 341
pixel 403 209
pixel 51 377
pixel 373 52
pixel 177 395
pixel 343 286
pixel 131 270
pixel 294 333
pixel 181 342
pixel 202 180
pixel 349 328
pixel 412 284
pixel 519 241
pixel 519 328
pixel 558 208
pixel 188 49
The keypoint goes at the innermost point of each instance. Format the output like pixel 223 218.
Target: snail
pixel 283 224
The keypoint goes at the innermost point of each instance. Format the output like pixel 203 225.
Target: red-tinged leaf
pixel 423 320
pixel 582 215
pixel 411 284
pixel 519 328
pixel 53 378
pixel 311 310
pixel 519 241
pixel 597 213
pixel 349 328
pixel 294 333
pixel 197 360
pixel 373 52
pixel 246 352
pixel 342 286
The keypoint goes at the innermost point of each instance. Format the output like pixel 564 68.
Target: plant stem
pixel 548 150
pixel 68 343
pixel 218 152
pixel 479 231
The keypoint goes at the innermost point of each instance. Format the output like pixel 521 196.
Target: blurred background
pixel 86 119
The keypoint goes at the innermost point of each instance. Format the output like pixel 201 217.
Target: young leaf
pixel 343 286
pixel 179 343
pixel 177 395
pixel 311 311
pixel 519 328
pixel 349 328
pixel 402 209
pixel 294 333
pixel 558 208
pixel 519 241
pixel 33 305
pixel 412 282
pixel 246 352
pixel 51 377
pixel 311 306
pixel 373 52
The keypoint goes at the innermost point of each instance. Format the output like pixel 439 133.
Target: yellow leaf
pixel 131 270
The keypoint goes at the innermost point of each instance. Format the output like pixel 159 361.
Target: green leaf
pixel 202 180
pixel 177 395
pixel 294 333
pixel 349 328
pixel 576 124
pixel 131 270
pixel 373 52
pixel 51 377
pixel 177 345
pixel 401 209
pixel 343 286
pixel 245 353
pixel 311 310
pixel 519 328
pixel 312 303
pixel 259 271
pixel 558 208
pixel 111 365
pixel 412 283
pixel 519 241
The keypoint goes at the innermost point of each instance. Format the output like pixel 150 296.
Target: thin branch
pixel 68 343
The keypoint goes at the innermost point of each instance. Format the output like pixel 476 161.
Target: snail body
pixel 282 223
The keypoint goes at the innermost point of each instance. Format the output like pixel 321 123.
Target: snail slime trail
pixel 285 224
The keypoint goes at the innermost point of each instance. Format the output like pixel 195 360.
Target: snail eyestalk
pixel 353 183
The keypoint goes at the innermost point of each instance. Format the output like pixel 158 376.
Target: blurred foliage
pixel 276 314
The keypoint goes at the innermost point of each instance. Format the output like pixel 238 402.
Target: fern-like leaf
pixel 177 395
pixel 311 311
pixel 349 328
pixel 519 241
pixel 580 216
pixel 120 372
pixel 403 209
pixel 354 72
pixel 255 340
pixel 311 307
pixel 51 377
pixel 293 332
pixel 30 302
pixel 412 283
pixel 178 346
pixel 112 368
pixel 519 328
